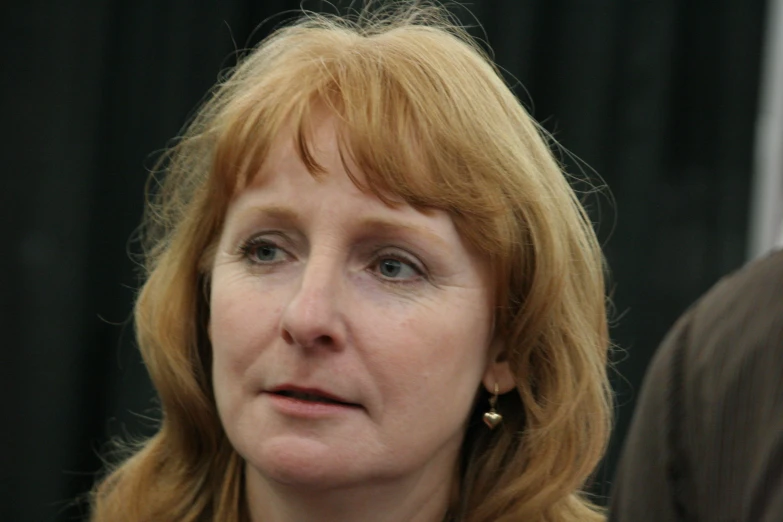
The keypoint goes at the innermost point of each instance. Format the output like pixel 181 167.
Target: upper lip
pixel 311 391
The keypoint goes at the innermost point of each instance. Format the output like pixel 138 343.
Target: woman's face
pixel 349 338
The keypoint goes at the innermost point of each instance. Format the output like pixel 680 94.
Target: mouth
pixel 311 396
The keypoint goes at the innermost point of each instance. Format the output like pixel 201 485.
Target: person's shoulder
pixel 711 396
pixel 751 295
pixel 738 324
pixel 752 283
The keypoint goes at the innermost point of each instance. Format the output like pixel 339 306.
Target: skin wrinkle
pixel 421 238
pixel 404 141
pixel 426 245
pixel 413 354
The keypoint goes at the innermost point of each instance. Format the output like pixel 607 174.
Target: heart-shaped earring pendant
pixel 492 419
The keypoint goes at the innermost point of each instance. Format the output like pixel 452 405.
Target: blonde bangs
pixel 398 138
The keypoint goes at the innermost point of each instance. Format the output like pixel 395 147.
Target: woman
pixel 371 295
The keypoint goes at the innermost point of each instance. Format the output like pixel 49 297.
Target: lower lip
pixel 307 409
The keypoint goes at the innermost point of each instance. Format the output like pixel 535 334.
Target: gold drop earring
pixel 492 418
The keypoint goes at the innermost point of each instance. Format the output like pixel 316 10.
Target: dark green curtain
pixel 659 97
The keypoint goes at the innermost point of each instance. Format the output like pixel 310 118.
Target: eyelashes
pixel 394 266
pixel 390 264
pixel 259 250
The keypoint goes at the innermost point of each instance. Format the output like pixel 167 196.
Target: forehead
pixel 386 150
pixel 314 144
pixel 330 212
pixel 391 179
pixel 288 184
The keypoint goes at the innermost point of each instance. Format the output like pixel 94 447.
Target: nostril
pixel 321 340
pixel 324 340
pixel 287 337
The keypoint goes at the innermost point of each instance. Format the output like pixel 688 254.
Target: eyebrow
pixel 375 224
pixel 395 227
pixel 275 212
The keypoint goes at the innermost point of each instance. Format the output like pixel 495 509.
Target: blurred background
pixel 663 99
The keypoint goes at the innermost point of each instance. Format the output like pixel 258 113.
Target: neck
pixel 417 499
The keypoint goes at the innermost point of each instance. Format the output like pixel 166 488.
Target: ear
pixel 498 370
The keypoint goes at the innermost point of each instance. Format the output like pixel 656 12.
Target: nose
pixel 313 318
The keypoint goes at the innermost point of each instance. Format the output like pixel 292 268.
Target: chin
pixel 297 461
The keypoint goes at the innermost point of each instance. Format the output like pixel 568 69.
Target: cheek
pixel 456 334
pixel 242 324
pixel 435 357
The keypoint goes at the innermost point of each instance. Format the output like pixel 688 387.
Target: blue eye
pixel 392 268
pixel 263 252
